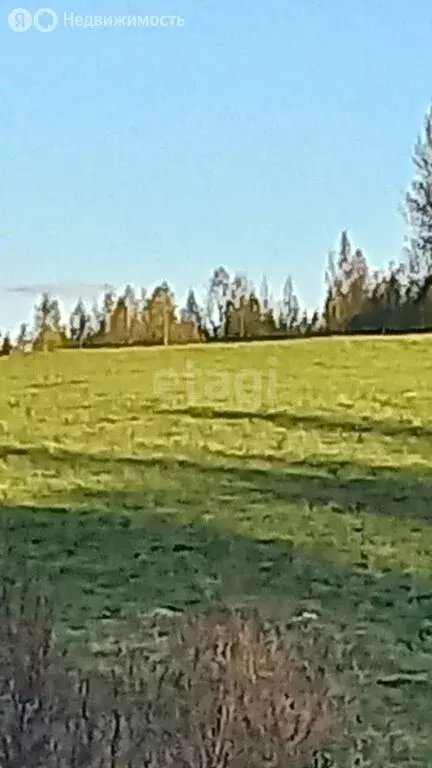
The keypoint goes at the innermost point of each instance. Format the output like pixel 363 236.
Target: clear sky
pixel 249 137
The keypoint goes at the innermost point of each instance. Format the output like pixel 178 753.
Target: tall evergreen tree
pixel 217 299
pixel 235 321
pixel 290 309
pixel 6 347
pixel 264 295
pixel 49 332
pixel 22 337
pixel 79 323
pixel 419 204
pixel 347 279
pixel 108 304
pixel 132 304
pixel 193 313
pixel 332 306
pixel 119 322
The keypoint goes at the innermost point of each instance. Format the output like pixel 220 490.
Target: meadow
pixel 296 476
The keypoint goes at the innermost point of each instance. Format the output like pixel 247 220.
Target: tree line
pixel 358 299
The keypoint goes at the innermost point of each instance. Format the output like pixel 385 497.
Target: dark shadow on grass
pixel 103 561
pixel 343 486
pixel 319 421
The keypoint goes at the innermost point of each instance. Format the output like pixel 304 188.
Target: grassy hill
pixel 294 475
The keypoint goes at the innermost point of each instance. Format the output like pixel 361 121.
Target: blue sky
pixel 249 137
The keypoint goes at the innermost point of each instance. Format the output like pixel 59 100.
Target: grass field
pixel 125 488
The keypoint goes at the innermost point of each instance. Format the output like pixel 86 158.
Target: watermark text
pixel 249 389
pixel 47 20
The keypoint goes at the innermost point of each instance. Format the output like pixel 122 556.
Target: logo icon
pixel 20 20
pixel 45 20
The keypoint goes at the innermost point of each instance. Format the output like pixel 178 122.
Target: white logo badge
pixel 44 20
pixel 20 20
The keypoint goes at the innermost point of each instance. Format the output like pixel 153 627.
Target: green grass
pixel 122 498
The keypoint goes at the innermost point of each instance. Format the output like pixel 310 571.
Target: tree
pixel 192 313
pixel 290 310
pixel 357 287
pixel 303 326
pixel 315 321
pixel 254 317
pixel 381 305
pixel 419 204
pixel 168 312
pixel 104 316
pixel 159 314
pixel 347 278
pixel 217 300
pixel 344 273
pixel 237 306
pixel 268 326
pixel 47 314
pixel 49 333
pixel 118 322
pixel 22 337
pixel 6 347
pixel 79 322
pixel 264 295
pixel 132 304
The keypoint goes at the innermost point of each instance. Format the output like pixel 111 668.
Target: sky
pixel 248 137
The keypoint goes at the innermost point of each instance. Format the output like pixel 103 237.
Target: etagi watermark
pixel 248 388
pixel 47 20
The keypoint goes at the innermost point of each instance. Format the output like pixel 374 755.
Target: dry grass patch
pixel 234 692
